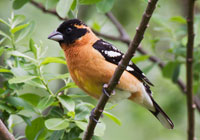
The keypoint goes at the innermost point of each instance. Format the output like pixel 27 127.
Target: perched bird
pixel 92 61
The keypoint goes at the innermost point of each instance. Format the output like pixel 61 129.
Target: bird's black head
pixel 69 31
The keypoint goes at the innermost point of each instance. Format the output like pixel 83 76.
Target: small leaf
pixel 17 4
pixel 26 31
pixel 178 19
pixel 5 35
pixel 176 73
pixel 148 68
pixel 99 130
pixel 18 28
pixel 63 7
pixel 17 20
pixel 21 79
pixel 61 76
pixel 50 4
pixel 74 4
pixel 26 119
pixel 19 102
pixel 67 102
pixel 56 135
pixel 48 60
pixel 169 68
pixel 4 71
pixel 31 98
pixel 56 123
pixel 36 126
pixel 69 85
pixel 8 108
pixel 87 2
pixel 4 22
pixel 112 117
pixel 19 54
pixel 45 102
pixel 96 26
pixel 32 47
pixel 105 6
pixel 139 58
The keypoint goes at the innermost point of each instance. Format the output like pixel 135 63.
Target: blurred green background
pixel 137 123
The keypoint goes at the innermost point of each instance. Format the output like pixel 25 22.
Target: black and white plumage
pixel 113 55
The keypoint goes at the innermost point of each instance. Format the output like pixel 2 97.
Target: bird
pixel 91 62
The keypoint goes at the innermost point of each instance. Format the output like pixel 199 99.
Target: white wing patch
pixel 128 68
pixel 112 53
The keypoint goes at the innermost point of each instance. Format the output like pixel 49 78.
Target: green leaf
pixel 4 71
pixel 148 68
pixel 112 117
pixel 19 102
pixel 96 26
pixel 74 4
pixel 51 4
pixel 87 2
pixel 32 47
pixel 45 102
pixel 17 20
pixel 4 22
pixel 5 35
pixel 17 4
pixel 19 71
pixel 69 85
pixel 56 123
pixel 105 6
pixel 26 32
pixel 8 108
pixel 19 54
pixel 67 102
pixel 26 119
pixel 63 7
pixel 18 28
pixel 31 98
pixel 48 60
pixel 1 41
pixel 56 135
pixel 176 73
pixel 36 126
pixel 178 19
pixel 61 76
pixel 170 70
pixel 21 79
pixel 99 130
pixel 139 58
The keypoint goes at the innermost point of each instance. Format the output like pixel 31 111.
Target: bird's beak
pixel 55 35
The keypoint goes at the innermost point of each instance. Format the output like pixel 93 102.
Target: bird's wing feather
pixel 113 55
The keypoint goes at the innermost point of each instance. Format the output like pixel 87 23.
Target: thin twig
pixel 40 6
pixel 119 27
pixel 189 70
pixel 4 133
pixel 119 70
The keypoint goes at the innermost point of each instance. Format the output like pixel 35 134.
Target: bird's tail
pixel 161 116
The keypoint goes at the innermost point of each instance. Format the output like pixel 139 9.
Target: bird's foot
pixel 105 92
pixel 92 116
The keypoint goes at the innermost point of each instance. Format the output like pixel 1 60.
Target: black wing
pixel 114 55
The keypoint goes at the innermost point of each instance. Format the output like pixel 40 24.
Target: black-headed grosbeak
pixel 92 61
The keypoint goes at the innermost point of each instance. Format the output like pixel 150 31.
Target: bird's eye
pixel 68 30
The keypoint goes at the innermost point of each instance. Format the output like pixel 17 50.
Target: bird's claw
pixel 105 92
pixel 92 116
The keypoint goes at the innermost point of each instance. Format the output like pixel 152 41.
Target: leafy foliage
pixel 47 114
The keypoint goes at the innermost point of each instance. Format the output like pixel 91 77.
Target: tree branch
pixel 41 7
pixel 123 33
pixel 4 133
pixel 189 70
pixel 119 70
